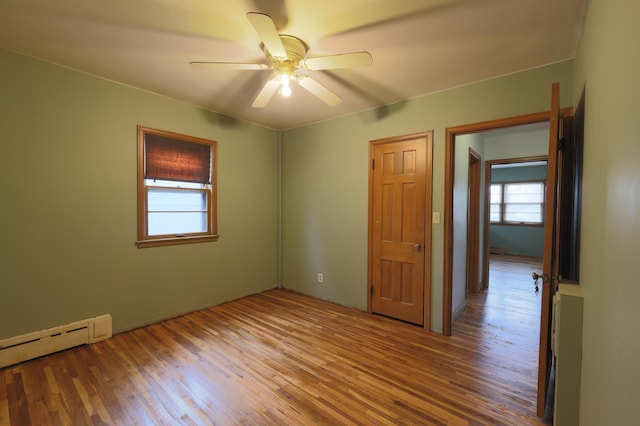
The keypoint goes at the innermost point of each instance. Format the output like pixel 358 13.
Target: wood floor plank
pixel 279 357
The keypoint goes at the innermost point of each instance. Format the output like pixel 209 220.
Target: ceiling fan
pixel 286 57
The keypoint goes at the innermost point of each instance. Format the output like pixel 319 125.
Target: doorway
pixel 514 222
pixel 458 140
pixel 474 156
pixel 559 121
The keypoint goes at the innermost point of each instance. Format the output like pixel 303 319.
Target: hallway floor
pixel 505 319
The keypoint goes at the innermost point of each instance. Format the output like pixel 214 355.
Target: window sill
pixel 159 242
pixel 522 224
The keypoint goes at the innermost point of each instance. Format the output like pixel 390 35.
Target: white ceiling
pixel 418 46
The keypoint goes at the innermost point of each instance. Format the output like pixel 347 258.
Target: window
pixel 176 188
pixel 519 203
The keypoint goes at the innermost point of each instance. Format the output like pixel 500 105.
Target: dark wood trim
pixel 428 231
pixel 487 222
pixel 447 217
pixel 549 253
pixel 370 228
pixel 486 244
pixel 474 190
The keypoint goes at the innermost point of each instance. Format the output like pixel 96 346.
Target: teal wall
pixel 518 240
pixel 519 174
pixel 608 69
pixel 68 210
pixel 325 179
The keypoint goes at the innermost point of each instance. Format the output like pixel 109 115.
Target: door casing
pixel 473 221
pixel 448 225
pixel 487 223
pixel 450 137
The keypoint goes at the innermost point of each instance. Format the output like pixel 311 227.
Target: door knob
pixel 544 277
pixel 537 276
pixel 417 246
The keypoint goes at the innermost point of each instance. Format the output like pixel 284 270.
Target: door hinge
pixel 561 144
pixel 373 164
pixel 372 289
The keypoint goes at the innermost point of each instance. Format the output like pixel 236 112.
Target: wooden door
pixel 473 221
pixel 550 264
pixel 397 227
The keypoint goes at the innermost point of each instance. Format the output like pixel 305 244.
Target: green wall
pixel 68 167
pixel 325 178
pixel 68 210
pixel 473 141
pixel 608 68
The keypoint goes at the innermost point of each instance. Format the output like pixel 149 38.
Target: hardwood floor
pixel 280 358
pixel 505 321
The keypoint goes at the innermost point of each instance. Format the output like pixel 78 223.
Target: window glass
pixel 517 203
pixel 495 203
pixel 173 211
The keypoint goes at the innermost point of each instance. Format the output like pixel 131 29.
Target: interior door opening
pixel 506 307
pixel 476 233
pixel 454 136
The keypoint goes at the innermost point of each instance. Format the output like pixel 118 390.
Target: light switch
pixel 436 217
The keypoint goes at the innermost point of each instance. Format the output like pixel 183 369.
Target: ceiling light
pixel 285 89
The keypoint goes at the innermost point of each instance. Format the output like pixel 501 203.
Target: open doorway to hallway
pixel 509 220
pixel 495 302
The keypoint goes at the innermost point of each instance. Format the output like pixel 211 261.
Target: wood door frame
pixel 474 188
pixel 428 135
pixel 449 174
pixel 487 205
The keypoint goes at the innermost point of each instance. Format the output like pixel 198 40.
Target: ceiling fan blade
pixel 266 29
pixel 266 93
pixel 230 65
pixel 345 60
pixel 320 91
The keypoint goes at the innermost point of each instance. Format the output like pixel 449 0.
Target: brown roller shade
pixel 171 159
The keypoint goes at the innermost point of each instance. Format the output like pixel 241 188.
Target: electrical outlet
pixel 320 277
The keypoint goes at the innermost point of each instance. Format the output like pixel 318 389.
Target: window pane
pixel 173 211
pixel 172 223
pixel 496 193
pixel 494 215
pixel 527 213
pixel 523 193
pixel 176 200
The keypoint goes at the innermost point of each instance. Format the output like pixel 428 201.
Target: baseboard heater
pixel 33 345
pixel 497 250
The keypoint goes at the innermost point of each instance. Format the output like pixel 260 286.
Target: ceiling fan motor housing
pixel 295 48
pixel 296 51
